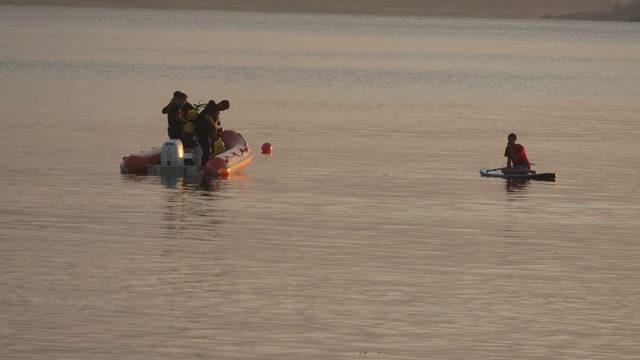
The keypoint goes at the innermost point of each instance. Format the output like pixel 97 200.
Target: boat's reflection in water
pixel 200 183
pixel 190 184
pixel 197 204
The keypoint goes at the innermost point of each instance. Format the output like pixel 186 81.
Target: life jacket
pixel 188 126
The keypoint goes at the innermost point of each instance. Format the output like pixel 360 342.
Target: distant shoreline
pixel 612 16
pixel 629 12
pixel 315 7
pixel 283 6
pixel 252 6
pixel 596 17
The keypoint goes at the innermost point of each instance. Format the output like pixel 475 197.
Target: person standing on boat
pixel 208 128
pixel 517 161
pixel 176 111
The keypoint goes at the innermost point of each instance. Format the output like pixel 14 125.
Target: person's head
pixel 211 106
pixel 512 138
pixel 224 105
pixel 180 98
pixel 210 109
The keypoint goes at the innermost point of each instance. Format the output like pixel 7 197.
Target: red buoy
pixel 267 148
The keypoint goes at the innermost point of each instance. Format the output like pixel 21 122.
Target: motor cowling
pixel 172 154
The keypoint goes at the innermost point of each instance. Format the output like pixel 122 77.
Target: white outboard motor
pixel 172 157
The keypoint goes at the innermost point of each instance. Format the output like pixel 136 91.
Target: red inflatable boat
pixel 138 163
pixel 236 157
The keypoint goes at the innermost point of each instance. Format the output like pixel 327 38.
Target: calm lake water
pixel 367 234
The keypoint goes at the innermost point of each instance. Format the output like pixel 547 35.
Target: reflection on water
pixel 194 183
pixel 516 185
pixel 181 181
pixel 190 205
pixel 216 184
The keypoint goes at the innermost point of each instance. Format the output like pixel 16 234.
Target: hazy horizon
pixel 462 7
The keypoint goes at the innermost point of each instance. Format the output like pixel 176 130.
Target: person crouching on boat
pixel 207 126
pixel 517 161
pixel 176 111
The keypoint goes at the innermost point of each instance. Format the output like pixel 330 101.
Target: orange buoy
pixel 267 148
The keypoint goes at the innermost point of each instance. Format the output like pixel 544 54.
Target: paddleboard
pixel 537 176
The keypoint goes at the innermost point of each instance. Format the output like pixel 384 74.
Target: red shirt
pixel 520 153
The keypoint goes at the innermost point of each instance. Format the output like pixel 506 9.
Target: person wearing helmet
pixel 176 111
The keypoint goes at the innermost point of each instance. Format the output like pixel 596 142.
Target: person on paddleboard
pixel 517 161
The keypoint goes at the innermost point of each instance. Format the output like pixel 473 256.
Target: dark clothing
pixel 205 144
pixel 208 122
pixel 172 107
pixel 175 118
pixel 206 128
pixel 189 141
pixel 207 125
